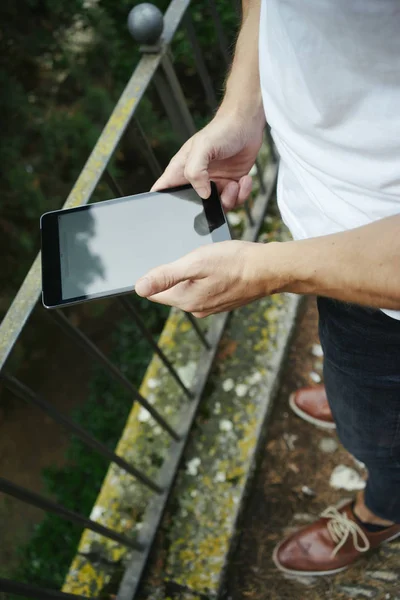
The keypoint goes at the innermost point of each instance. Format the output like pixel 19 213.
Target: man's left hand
pixel 212 279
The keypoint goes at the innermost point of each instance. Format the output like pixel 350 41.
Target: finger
pixel 209 312
pixel 181 296
pixel 173 175
pixel 245 187
pixel 229 195
pixel 166 277
pixel 187 297
pixel 165 298
pixel 214 308
pixel 196 168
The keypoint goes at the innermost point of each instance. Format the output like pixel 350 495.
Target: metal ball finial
pixel 146 23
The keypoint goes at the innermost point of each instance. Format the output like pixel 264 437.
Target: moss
pixel 207 504
pixel 212 481
pixel 122 499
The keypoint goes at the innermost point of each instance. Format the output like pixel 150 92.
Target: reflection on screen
pixel 108 247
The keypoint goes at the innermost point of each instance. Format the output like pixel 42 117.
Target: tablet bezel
pixel 50 255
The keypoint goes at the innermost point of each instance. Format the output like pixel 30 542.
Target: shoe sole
pixel 315 573
pixel 306 417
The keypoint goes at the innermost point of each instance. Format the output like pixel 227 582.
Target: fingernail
pixel 143 287
pixel 203 192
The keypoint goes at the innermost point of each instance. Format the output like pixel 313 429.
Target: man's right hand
pixel 224 152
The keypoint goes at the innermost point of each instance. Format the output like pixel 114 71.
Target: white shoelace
pixel 340 528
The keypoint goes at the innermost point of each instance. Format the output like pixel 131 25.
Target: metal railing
pixel 155 67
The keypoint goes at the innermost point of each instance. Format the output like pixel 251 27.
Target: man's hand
pixel 212 279
pixel 226 149
pixel 360 265
pixel 224 152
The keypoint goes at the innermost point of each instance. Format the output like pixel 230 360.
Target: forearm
pixel 244 74
pixel 361 266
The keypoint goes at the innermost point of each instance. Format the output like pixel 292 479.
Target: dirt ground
pixel 278 503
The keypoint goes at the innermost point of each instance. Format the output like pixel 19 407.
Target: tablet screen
pixel 105 248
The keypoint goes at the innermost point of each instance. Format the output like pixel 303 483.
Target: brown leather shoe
pixel 329 545
pixel 311 404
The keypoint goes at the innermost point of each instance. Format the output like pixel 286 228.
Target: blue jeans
pixel 362 378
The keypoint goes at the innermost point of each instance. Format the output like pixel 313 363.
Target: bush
pixel 63 65
pixel 62 68
pixel 45 559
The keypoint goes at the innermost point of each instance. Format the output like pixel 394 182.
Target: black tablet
pixel 102 249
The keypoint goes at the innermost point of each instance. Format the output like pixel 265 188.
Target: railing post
pixel 222 41
pixel 147 150
pixel 271 145
pixel 238 6
pixel 170 92
pixel 22 391
pixel 200 63
pixel 112 184
pixel 146 24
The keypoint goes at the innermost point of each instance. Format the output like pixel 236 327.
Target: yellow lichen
pixel 118 483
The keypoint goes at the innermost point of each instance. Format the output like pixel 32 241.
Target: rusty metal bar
pixel 260 176
pixel 7 586
pixel 112 184
pixel 26 394
pixel 198 330
pixel 147 335
pixel 271 144
pixel 147 150
pixel 200 64
pixel 96 353
pixel 173 99
pixel 222 41
pixel 29 497
pixel 238 6
pixel 248 213
pixel 261 204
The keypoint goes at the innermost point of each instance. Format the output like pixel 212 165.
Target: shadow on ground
pixel 291 487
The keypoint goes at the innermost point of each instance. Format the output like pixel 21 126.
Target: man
pixel 328 73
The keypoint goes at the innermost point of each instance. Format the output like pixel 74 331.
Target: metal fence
pixel 156 67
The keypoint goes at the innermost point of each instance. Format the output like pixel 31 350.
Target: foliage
pixel 45 559
pixel 63 66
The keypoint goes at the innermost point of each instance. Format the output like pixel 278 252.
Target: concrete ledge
pixel 122 500
pixel 211 486
pixel 219 461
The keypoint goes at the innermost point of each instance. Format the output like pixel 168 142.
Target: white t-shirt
pixel 330 77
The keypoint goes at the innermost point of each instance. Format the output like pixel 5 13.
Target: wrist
pixel 243 111
pixel 300 266
pixel 280 268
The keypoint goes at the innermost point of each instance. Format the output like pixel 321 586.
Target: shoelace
pixel 340 528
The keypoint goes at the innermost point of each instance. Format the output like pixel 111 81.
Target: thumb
pixel 164 278
pixel 196 167
pixel 173 175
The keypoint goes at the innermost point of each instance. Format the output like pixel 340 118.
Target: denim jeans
pixel 362 378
